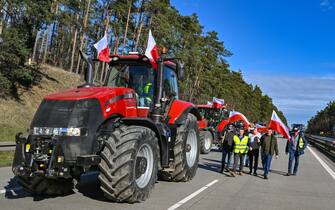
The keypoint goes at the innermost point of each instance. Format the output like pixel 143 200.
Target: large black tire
pixel 44 186
pixel 206 141
pixel 120 165
pixel 182 170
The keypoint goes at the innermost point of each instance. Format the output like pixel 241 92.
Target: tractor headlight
pixel 47 131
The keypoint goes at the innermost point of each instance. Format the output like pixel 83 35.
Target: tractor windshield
pixel 138 77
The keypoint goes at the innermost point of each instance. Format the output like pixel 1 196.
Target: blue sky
pixel 285 47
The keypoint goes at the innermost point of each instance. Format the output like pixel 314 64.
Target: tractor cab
pixel 136 72
pixel 213 115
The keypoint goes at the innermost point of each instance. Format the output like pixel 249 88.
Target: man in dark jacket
pixel 269 147
pixel 227 147
pixel 253 153
pixel 295 147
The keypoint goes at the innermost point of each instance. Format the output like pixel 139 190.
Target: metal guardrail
pixel 328 147
pixel 7 146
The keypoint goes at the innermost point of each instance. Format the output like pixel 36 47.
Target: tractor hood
pixel 86 93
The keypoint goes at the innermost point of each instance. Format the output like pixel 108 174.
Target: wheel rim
pixel 143 176
pixel 191 148
pixel 208 143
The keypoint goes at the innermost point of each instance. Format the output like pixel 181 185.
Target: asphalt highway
pixel 313 188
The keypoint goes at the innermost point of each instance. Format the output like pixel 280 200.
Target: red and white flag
pixel 237 116
pixel 277 125
pixel 261 128
pixel 103 50
pixel 152 50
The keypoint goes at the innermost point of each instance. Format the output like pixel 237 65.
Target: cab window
pixel 170 83
pixel 138 77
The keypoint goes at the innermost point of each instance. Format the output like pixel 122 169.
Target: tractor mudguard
pixel 180 109
pixel 162 141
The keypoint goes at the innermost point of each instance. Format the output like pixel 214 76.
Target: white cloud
pixel 326 4
pixel 299 97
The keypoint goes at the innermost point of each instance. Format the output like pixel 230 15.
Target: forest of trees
pixel 324 121
pixel 34 32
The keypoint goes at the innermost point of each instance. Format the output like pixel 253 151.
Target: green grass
pixel 6 158
pixel 7 133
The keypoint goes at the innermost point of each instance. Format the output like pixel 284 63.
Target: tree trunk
pixel 82 35
pixel 126 30
pixel 74 42
pixel 35 46
pixel 44 37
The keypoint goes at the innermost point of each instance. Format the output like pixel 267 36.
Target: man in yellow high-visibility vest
pixel 240 148
pixel 295 148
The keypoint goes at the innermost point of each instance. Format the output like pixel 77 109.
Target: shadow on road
pixel 88 186
pixel 14 190
pixel 278 172
pixel 212 167
pixel 212 160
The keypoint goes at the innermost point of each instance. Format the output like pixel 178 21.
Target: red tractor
pixel 211 125
pixel 132 129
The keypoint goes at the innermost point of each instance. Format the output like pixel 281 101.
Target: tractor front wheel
pixel 186 152
pixel 206 140
pixel 129 164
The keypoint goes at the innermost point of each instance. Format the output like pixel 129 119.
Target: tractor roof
pixel 138 57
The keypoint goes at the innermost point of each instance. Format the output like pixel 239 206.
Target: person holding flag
pixel 295 148
pixel 269 147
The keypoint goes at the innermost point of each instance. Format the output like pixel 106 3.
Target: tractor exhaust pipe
pixel 89 70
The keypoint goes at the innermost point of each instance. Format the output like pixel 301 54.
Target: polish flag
pixel 222 125
pixel 152 50
pixel 103 50
pixel 237 116
pixel 277 125
pixel 218 102
pixel 261 128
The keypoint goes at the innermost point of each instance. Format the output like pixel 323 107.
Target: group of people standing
pixel 251 144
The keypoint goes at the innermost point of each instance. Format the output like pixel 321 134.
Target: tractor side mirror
pixel 180 70
pixel 89 70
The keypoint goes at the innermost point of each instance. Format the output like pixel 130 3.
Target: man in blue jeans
pixel 295 148
pixel 269 147
pixel 227 147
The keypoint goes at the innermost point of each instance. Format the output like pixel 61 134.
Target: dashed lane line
pixel 183 201
pixel 325 166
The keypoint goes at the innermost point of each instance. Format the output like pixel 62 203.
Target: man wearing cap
pixel 240 148
pixel 295 147
pixel 269 147
pixel 227 147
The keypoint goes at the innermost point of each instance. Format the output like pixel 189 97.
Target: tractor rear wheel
pixel 129 164
pixel 186 152
pixel 44 186
pixel 206 140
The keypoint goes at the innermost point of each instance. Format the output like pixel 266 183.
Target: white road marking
pixel 325 166
pixel 11 190
pixel 179 203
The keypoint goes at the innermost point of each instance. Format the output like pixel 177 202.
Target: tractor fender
pixel 162 141
pixel 180 109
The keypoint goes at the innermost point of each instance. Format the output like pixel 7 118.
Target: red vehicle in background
pixel 212 124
